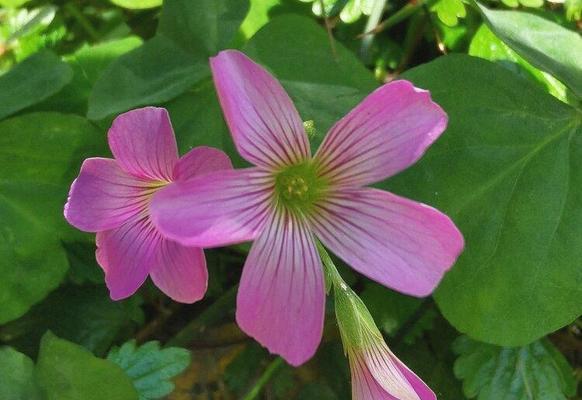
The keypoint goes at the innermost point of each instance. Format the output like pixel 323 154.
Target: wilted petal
pixel 400 243
pixel 143 143
pixel 104 196
pixel 216 209
pixel 389 131
pixel 199 161
pixel 264 123
pixel 180 272
pixel 127 254
pixel 281 297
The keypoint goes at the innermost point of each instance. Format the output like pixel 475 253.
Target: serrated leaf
pixel 17 376
pixel 173 61
pixel 40 154
pixel 66 371
pixel 543 43
pixel 150 367
pixel 33 80
pixel 535 371
pixel 488 46
pixel 507 170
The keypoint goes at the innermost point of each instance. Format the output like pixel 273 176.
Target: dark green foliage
pixel 535 371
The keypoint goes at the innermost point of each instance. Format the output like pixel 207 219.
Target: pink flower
pixel 289 197
pixel 377 374
pixel 112 198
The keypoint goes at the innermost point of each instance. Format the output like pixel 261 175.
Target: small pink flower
pixel 290 197
pixel 112 198
pixel 377 374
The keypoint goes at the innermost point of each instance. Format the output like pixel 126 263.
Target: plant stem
pixel 264 378
pixel 411 321
pixel 399 16
pixel 210 316
pixel 373 20
pixel 82 20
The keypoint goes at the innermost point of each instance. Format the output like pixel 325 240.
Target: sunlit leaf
pixel 488 46
pixel 545 44
pixel 137 4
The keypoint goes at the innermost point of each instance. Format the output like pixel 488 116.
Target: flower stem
pixel 264 378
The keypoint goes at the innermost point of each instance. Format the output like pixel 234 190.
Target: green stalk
pixel 264 378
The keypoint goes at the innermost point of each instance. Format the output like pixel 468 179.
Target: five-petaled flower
pixel 289 197
pixel 112 198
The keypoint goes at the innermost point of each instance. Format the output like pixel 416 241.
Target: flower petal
pixel 400 243
pixel 104 196
pixel 364 386
pixel 199 161
pixel 180 272
pixel 127 255
pixel 216 209
pixel 281 298
pixel 386 133
pixel 143 143
pixel 378 374
pixel 264 123
pixel 422 390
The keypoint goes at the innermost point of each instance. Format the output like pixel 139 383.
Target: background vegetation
pixel 502 325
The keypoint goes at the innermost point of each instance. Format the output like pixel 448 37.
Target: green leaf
pixel 488 46
pixel 17 372
pixel 203 27
pixel 240 373
pixel 535 371
pixel 432 359
pixel 137 4
pixel 507 170
pixel 36 78
pixel 13 3
pixel 82 314
pixel 391 310
pixel 449 11
pixel 66 371
pixel 543 43
pixel 150 367
pixel 87 63
pixel 173 61
pixel 573 9
pixel 40 156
